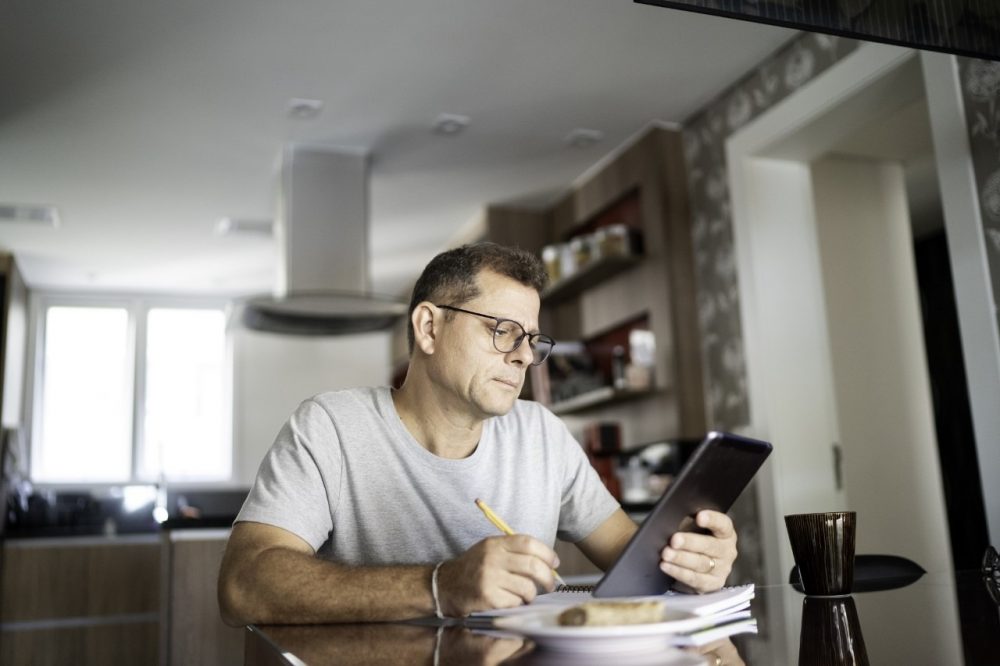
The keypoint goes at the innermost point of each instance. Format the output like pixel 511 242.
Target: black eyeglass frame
pixel 532 337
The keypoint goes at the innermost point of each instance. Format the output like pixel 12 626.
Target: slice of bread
pixel 607 613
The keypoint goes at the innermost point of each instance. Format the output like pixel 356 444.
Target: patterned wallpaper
pixel 704 134
pixel 715 262
pixel 704 137
pixel 981 94
pixel 802 59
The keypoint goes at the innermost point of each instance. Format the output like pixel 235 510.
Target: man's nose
pixel 523 353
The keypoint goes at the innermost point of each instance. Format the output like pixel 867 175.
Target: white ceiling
pixel 145 122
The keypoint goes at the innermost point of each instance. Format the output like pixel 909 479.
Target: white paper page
pixel 711 603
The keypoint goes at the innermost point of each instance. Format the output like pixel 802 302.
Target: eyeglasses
pixel 508 336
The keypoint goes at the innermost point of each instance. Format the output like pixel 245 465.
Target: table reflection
pixel 942 618
pixel 388 644
pixel 831 633
pixel 379 644
pixel 717 653
pixel 939 619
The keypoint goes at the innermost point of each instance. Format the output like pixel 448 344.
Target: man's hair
pixel 450 277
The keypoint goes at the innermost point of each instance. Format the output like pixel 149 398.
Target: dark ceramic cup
pixel 831 633
pixel 823 547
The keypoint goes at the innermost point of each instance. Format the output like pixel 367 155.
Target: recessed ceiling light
pixel 582 137
pixel 33 214
pixel 304 108
pixel 243 226
pixel 450 124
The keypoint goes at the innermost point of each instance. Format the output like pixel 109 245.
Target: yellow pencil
pixel 505 528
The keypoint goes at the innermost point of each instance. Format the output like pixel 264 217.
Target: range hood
pixel 323 283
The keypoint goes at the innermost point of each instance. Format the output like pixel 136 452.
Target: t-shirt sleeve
pixel 585 501
pixel 298 483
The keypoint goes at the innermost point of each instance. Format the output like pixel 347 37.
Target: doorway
pixel 836 358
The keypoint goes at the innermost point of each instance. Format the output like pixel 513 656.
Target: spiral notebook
pixel 723 602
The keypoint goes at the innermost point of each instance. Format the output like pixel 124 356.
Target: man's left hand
pixel 702 562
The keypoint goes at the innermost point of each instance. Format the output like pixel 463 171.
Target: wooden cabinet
pixel 141 599
pixel 80 601
pixel 643 187
pixel 192 631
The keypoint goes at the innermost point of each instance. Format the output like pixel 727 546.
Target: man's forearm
pixel 282 586
pixel 605 544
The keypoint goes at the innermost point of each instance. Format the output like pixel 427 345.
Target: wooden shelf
pixel 642 188
pixel 588 276
pixel 601 397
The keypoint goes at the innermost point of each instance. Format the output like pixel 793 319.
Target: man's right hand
pixel 498 572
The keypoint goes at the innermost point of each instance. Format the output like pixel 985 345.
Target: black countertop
pixel 71 514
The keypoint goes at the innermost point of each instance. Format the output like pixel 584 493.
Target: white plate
pixel 543 627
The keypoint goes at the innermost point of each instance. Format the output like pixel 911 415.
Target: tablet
pixel 715 475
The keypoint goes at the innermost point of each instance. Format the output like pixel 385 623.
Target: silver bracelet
pixel 434 591
pixel 437 645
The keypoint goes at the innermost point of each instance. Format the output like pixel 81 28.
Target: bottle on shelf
pixel 618 368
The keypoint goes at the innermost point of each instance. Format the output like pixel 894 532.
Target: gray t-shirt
pixel 346 476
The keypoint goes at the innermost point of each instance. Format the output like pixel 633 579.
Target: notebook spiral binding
pixel 575 588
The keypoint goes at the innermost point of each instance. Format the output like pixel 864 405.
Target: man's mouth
pixel 513 383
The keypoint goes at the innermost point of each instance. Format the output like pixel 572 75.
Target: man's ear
pixel 424 327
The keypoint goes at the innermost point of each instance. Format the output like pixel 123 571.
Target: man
pixel 363 509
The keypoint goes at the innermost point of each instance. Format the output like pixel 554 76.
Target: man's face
pixel 465 362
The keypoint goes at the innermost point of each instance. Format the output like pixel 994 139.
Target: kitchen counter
pixel 91 532
pixel 74 515
pixel 80 540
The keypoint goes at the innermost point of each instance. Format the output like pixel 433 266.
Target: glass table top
pixel 939 619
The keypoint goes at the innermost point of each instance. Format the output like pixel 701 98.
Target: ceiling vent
pixel 323 283
pixel 581 137
pixel 231 226
pixel 45 215
pixel 450 124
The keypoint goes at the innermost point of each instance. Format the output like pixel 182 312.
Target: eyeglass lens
pixel 508 335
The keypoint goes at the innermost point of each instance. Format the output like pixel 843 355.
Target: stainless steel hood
pixel 323 284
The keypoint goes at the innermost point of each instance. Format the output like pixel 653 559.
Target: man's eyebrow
pixel 503 318
pixel 526 330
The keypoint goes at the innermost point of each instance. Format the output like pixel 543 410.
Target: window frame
pixel 137 306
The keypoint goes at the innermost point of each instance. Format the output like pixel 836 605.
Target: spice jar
pixel 581 251
pixel 616 241
pixel 567 261
pixel 594 241
pixel 550 257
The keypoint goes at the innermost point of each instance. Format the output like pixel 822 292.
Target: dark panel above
pixel 964 27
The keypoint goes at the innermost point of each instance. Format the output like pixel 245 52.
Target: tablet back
pixel 714 476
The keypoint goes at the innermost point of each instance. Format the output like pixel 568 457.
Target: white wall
pixel 776 257
pixel 790 380
pixel 793 346
pixel 891 469
pixel 273 373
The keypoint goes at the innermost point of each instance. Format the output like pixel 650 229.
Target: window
pixel 185 396
pixel 130 391
pixel 86 412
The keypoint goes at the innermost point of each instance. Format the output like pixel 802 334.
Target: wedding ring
pixel 711 564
